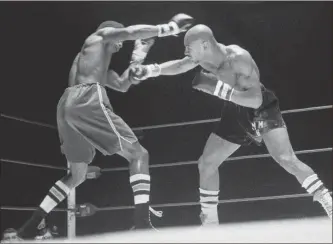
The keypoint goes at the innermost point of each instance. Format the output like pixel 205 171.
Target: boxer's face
pixel 195 50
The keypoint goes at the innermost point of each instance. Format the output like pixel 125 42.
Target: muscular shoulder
pixel 236 53
pixel 241 60
pixel 93 39
pixel 236 50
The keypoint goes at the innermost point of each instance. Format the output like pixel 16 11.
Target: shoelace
pixel 327 202
pixel 158 214
pixel 325 199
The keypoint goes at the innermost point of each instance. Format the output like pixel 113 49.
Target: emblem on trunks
pixel 257 126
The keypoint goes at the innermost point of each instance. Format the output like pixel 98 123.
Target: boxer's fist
pixel 178 23
pixel 143 72
pixel 138 73
pixel 208 83
pixel 141 49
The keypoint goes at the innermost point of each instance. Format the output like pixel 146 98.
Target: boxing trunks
pixel 243 125
pixel 86 122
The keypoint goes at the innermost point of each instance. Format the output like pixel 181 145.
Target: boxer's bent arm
pixel 132 32
pixel 119 83
pixel 72 72
pixel 251 98
pixel 176 67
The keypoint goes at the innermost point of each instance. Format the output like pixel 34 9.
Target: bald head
pixel 198 32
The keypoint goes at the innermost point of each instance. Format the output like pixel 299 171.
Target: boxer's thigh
pixel 233 125
pixel 217 149
pixel 74 144
pixel 109 132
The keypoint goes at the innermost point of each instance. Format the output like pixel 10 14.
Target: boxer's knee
pixel 143 154
pixel 288 162
pixel 293 165
pixel 136 152
pixel 77 175
pixel 142 159
pixel 216 151
pixel 208 165
pixel 138 158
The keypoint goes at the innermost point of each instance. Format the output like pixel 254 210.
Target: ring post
pixel 71 218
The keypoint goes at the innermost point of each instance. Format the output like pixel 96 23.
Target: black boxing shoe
pixel 142 218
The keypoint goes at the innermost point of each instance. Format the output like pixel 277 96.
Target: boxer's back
pixel 91 64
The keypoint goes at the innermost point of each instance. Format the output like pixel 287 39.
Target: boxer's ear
pixel 205 44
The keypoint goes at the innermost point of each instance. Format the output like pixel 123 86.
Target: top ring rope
pixel 171 124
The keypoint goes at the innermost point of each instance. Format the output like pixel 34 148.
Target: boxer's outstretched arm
pixel 176 67
pixel 72 72
pixel 178 23
pixel 133 32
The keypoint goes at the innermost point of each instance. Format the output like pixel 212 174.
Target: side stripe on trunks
pixel 108 117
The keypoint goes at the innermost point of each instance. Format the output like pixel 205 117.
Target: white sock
pixel 141 188
pixel 57 194
pixel 209 201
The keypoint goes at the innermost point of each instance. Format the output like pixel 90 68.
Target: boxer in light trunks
pixel 250 113
pixel 86 120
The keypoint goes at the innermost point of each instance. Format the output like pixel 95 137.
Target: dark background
pixel 291 43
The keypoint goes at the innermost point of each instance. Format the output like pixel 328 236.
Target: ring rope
pixel 218 119
pixel 171 124
pixel 166 205
pixel 228 159
pixel 28 121
pixel 166 164
pixel 32 164
pixel 34 208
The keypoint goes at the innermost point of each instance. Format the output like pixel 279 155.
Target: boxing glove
pixel 179 23
pixel 143 72
pixel 208 83
pixel 141 49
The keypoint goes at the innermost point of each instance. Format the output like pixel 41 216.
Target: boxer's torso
pixel 92 63
pixel 226 71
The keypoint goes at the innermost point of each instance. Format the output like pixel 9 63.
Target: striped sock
pixel 313 185
pixel 209 201
pixel 141 188
pixel 57 194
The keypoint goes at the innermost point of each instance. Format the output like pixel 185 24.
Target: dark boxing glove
pixel 179 23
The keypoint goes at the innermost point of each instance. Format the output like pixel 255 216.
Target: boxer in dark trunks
pixel 86 120
pixel 250 113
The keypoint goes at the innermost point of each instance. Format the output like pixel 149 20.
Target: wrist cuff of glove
pixel 153 70
pixel 138 56
pixel 168 29
pixel 141 49
pixel 223 90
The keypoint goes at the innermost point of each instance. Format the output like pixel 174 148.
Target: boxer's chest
pixel 224 73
